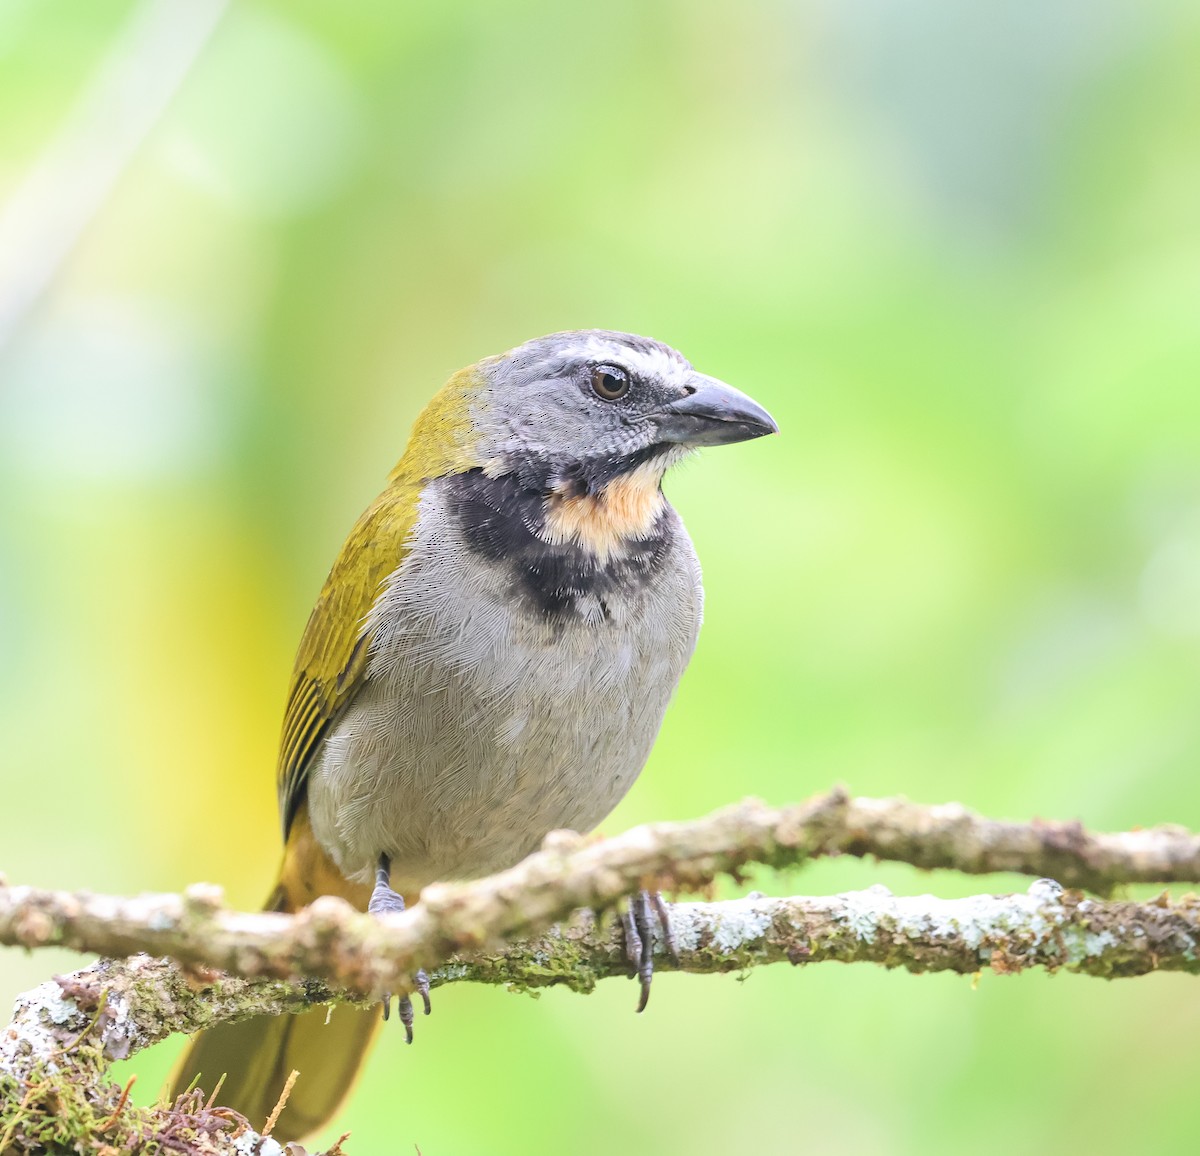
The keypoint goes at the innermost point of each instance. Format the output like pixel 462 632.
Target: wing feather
pixel 332 658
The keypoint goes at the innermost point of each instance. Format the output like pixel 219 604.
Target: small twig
pixel 69 1048
pixel 289 1084
pixel 212 1099
pixel 116 1112
pixel 18 1116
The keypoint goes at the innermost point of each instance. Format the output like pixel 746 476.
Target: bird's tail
pixel 257 1055
pixel 326 1046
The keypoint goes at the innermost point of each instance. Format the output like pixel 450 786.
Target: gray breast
pixel 513 687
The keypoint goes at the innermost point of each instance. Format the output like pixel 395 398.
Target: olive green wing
pixel 332 658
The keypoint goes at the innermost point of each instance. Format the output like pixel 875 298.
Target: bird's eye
pixel 610 382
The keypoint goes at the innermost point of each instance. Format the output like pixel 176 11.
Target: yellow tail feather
pixel 257 1055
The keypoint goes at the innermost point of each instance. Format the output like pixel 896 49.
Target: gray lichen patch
pixel 732 928
pixel 1045 926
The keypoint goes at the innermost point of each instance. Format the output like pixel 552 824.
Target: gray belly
pixel 484 723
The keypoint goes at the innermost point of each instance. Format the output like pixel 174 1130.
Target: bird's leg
pixel 385 901
pixel 639 937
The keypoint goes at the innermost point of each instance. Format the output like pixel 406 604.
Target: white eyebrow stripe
pixel 648 363
pixel 553 355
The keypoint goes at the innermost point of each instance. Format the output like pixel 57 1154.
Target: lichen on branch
pixel 513 928
pixel 373 955
pixel 115 1008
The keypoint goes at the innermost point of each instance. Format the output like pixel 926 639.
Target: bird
pixel 489 660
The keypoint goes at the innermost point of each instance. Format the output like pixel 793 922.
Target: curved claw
pixel 639 939
pixel 421 987
pixel 385 901
pixel 404 1009
pixel 664 922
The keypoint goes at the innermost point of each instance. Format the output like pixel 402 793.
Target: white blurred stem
pixel 68 184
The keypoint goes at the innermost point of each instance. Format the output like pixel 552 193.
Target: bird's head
pixel 574 412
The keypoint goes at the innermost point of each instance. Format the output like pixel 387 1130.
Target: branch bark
pixel 146 999
pixel 503 930
pixel 370 956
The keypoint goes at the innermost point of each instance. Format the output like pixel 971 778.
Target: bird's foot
pixel 638 919
pixel 385 901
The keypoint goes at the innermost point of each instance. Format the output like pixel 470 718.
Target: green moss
pixel 70 1110
pixel 57 1111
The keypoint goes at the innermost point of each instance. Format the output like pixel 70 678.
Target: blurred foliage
pixel 954 248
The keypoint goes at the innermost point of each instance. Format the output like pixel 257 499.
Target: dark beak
pixel 713 414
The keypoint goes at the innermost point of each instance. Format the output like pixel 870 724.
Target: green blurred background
pixel 955 248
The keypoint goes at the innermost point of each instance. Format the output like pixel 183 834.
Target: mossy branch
pixel 373 955
pixel 503 929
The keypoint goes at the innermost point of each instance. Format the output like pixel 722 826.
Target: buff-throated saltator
pixel 489 660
